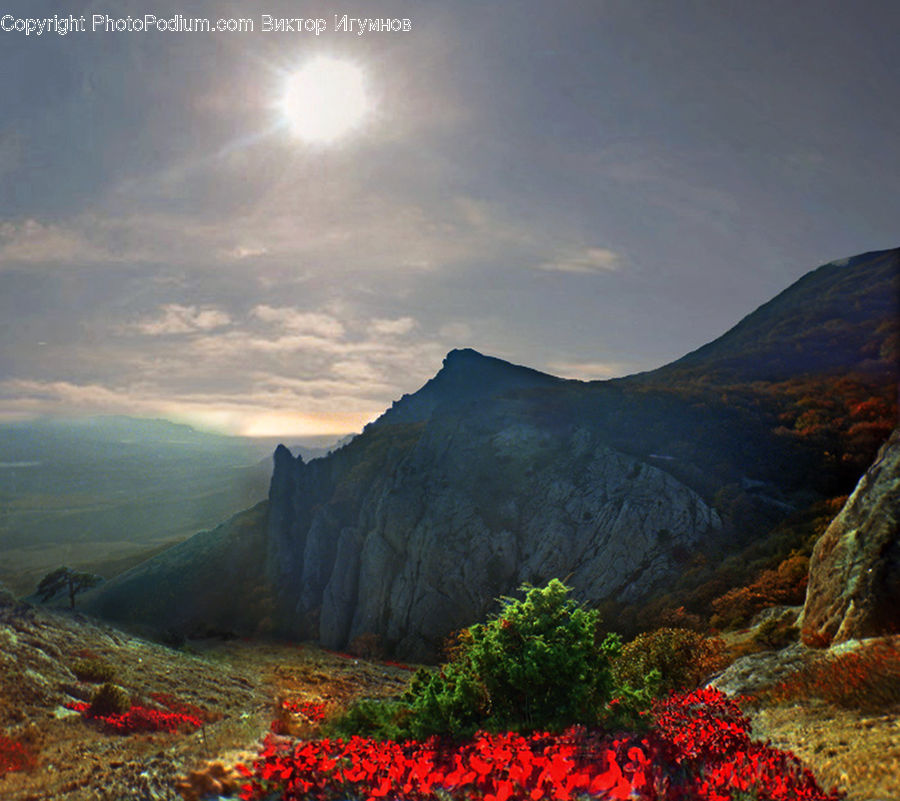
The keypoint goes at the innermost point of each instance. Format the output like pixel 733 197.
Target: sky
pixel 591 189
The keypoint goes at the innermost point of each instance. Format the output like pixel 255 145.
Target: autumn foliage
pixel 785 584
pixel 689 745
pixel 682 658
pixel 699 748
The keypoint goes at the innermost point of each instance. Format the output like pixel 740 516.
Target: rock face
pixel 854 573
pixel 468 513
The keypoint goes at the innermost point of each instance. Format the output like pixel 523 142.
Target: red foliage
pixel 171 703
pixel 14 756
pixel 141 719
pixel 341 654
pixel 700 748
pixel 847 418
pixel 311 711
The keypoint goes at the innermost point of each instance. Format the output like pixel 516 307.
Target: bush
pixel 785 584
pixel 367 646
pixel 110 700
pixel 536 665
pixel 699 747
pixel 93 670
pixel 682 658
pixel 378 718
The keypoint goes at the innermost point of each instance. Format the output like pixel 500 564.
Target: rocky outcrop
pixel 751 673
pixel 854 573
pixel 466 375
pixel 467 513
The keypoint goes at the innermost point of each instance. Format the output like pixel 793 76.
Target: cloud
pixel 395 327
pixel 359 371
pixel 246 251
pixel 256 413
pixel 177 319
pixel 589 260
pixel 35 396
pixel 290 319
pixel 31 241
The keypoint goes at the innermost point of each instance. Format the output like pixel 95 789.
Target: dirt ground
pixel 853 751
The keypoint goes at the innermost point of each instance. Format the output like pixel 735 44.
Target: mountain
pixel 823 323
pixel 465 376
pixel 492 475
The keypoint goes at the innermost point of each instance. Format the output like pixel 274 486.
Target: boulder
pixel 854 572
pixel 750 674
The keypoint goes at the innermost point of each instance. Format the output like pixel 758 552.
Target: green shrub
pixel 380 719
pixel 110 699
pixel 681 657
pixel 93 670
pixel 537 665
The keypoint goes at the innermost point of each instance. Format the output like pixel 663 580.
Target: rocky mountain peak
pixel 465 376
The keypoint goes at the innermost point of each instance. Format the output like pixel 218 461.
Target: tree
pixel 64 578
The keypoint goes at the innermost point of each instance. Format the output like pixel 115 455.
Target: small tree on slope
pixel 64 578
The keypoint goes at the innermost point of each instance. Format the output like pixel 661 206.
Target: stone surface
pixel 780 614
pixel 433 536
pixel 753 672
pixel 854 576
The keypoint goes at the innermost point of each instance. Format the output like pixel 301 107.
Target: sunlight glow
pixel 325 100
pixel 278 424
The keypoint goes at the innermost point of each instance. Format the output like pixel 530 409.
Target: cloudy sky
pixel 589 188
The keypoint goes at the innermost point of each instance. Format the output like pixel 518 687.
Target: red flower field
pixel 698 748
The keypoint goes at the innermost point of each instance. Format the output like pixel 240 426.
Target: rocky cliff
pixel 464 515
pixel 854 573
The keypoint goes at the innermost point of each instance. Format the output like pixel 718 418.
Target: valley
pixel 103 494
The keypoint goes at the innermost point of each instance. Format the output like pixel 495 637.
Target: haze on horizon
pixel 590 190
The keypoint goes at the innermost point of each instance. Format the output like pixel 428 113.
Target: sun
pixel 325 100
